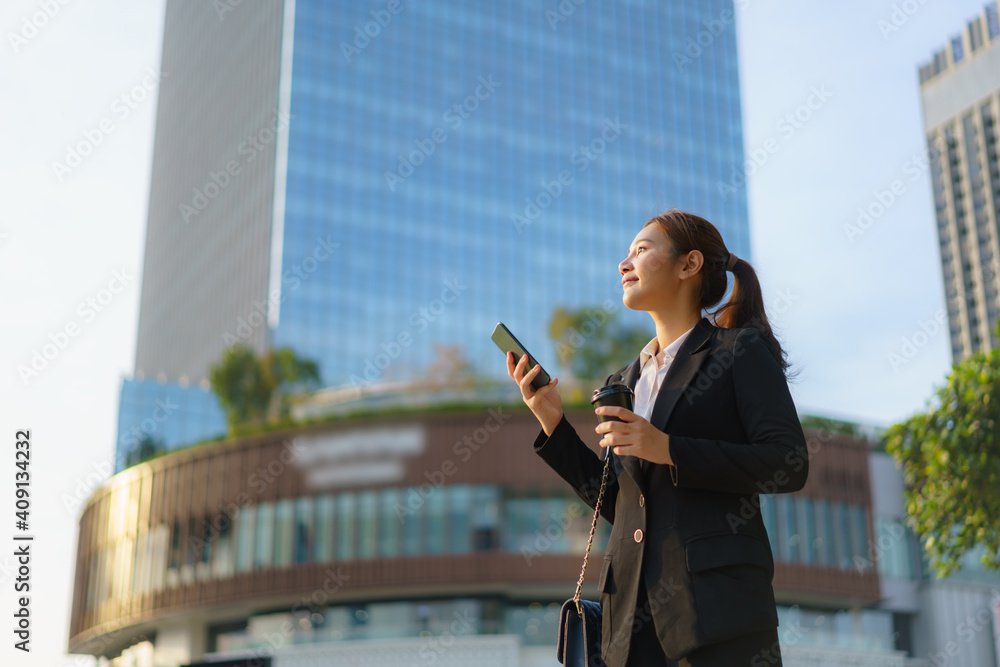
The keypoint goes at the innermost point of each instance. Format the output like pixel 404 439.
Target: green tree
pixel 591 343
pixel 255 390
pixel 951 462
pixel 146 448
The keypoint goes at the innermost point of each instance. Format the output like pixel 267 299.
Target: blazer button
pixel 638 535
pixel 642 500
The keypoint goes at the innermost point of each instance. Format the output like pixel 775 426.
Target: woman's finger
pixel 526 380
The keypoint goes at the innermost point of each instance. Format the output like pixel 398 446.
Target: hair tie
pixel 732 262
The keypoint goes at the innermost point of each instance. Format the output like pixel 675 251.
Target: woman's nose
pixel 624 266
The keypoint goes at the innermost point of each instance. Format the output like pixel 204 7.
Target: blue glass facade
pixel 483 162
pixel 449 166
pixel 163 416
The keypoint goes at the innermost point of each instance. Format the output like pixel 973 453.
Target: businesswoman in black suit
pixel 687 571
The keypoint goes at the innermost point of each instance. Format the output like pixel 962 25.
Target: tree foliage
pixel 592 343
pixel 255 390
pixel 951 462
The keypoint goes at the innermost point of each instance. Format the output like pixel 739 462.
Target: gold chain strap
pixel 593 525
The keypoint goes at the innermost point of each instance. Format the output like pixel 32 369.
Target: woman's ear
pixel 692 262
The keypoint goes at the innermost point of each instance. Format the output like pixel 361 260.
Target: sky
pixel 843 304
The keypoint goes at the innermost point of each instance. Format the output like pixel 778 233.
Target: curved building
pixel 414 537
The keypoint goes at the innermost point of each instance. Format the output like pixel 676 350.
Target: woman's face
pixel 651 277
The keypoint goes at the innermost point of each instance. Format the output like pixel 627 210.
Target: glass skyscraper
pixel 361 181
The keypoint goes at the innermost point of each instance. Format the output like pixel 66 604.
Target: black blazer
pixel 734 432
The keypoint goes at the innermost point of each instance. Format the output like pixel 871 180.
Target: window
pixel 435 521
pixel 485 517
pixel 957 52
pixel 264 547
pixel 412 521
pixel 459 510
pixel 222 555
pixel 324 528
pixel 284 530
pixel 367 518
pixel 388 523
pixel 245 522
pixel 807 529
pixel 992 21
pixel 344 543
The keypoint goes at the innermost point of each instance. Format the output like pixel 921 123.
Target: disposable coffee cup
pixel 612 394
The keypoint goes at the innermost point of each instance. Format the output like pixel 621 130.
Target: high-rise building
pixel 960 90
pixel 363 182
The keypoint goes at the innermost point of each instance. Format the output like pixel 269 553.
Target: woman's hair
pixel 745 307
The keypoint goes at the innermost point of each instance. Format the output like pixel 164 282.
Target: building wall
pixel 211 194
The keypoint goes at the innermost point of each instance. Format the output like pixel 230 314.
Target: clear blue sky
pixel 841 306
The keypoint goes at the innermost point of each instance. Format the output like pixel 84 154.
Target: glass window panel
pixel 411 522
pixel 485 517
pixel 303 548
pixel 388 524
pixel 842 535
pixel 436 522
pixel 807 528
pixel 820 553
pixel 324 528
pixel 283 530
pixel 367 522
pixel 222 555
pixel 344 542
pixel 264 547
pixel 246 523
pixel 460 508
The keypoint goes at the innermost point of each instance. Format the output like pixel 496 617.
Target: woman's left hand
pixel 633 436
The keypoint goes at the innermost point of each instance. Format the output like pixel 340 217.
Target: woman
pixel 687 571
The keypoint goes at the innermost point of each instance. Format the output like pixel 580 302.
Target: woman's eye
pixel 639 249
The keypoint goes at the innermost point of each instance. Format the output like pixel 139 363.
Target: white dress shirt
pixel 653 363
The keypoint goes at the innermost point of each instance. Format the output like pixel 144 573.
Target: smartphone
pixel 507 343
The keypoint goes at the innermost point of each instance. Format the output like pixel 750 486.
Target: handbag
pixel 580 620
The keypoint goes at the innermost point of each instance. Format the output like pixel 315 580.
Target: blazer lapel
pixel 690 356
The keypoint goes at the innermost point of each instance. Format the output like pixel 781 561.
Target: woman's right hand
pixel 544 403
